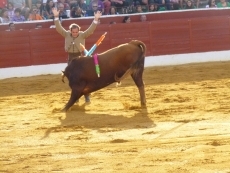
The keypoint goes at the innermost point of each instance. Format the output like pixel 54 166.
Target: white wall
pixel 162 60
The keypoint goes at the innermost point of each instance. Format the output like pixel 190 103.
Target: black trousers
pixel 71 56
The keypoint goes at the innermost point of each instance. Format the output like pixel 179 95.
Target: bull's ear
pixel 62 72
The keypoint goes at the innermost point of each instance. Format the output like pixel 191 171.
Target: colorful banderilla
pixel 96 44
pixel 95 57
pixel 84 49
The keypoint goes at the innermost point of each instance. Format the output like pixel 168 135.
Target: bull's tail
pixel 135 66
pixel 141 45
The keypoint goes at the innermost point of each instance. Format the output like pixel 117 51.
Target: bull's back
pixel 119 59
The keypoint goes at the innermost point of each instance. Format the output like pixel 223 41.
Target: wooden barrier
pixel 45 47
pixel 174 36
pixel 171 37
pixel 15 49
pixel 210 34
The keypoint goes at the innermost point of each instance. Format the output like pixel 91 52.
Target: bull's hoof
pixel 64 110
pixel 87 103
pixel 143 106
pixel 56 110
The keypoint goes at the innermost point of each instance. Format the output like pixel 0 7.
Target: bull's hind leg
pixel 137 78
pixel 73 98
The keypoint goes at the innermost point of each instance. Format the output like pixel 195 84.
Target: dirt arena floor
pixel 185 128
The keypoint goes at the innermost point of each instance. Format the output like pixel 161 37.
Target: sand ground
pixel 185 128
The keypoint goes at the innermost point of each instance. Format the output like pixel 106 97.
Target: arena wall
pixel 161 60
pixel 171 38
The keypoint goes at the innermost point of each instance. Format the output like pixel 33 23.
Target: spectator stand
pixel 175 32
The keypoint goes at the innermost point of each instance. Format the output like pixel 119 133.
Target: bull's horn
pixel 63 79
pixel 63 76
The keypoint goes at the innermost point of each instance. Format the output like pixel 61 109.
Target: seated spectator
pixel 4 16
pixel 131 9
pixel 113 11
pixel 83 6
pixel 189 5
pixel 11 27
pixel 107 6
pixel 66 5
pixel 38 26
pixel 152 8
pixel 73 3
pixel 62 11
pixel 211 4
pixel 97 4
pixel 22 6
pixel 119 4
pixel 168 4
pixel 17 16
pixel 93 8
pixel 139 9
pixel 77 12
pixel 160 5
pixel 18 3
pixel 143 3
pixel 34 14
pixel 143 18
pixel 48 14
pixel 223 3
pixel 175 4
pixel 124 10
pixel 126 19
pixel 40 8
pixel 11 9
pixel 201 3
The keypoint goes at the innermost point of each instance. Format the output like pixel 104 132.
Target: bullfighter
pixel 73 37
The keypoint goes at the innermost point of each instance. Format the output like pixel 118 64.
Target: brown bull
pixel 115 64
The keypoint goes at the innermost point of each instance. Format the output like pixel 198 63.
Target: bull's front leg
pixel 75 95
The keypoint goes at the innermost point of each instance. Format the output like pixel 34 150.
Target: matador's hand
pixel 97 15
pixel 55 12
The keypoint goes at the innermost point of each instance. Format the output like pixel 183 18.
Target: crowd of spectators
pixel 21 10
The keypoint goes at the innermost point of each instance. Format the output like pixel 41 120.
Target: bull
pixel 115 64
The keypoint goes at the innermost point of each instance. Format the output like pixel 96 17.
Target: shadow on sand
pixel 74 122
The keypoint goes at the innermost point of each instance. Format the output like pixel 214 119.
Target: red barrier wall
pixel 162 36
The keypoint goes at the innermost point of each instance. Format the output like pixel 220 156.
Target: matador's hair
pixel 74 26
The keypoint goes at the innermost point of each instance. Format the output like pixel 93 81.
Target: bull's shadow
pixel 74 122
